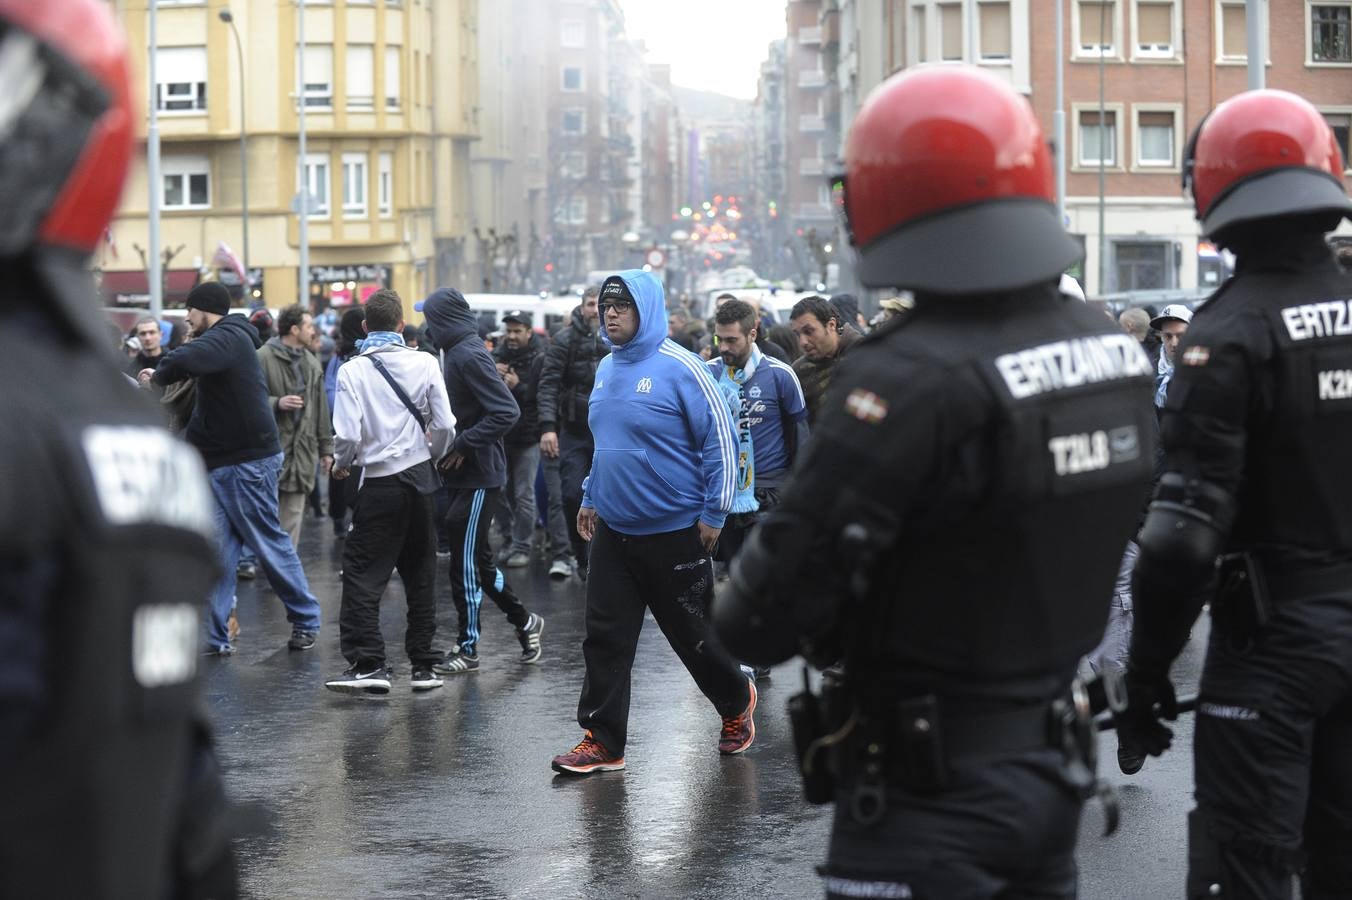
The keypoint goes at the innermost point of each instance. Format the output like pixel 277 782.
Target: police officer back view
pixel 105 519
pixel 1257 430
pixel 956 526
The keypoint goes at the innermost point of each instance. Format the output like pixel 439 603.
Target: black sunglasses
pixel 620 306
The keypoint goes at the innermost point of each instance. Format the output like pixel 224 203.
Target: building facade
pixel 1159 66
pixel 391 101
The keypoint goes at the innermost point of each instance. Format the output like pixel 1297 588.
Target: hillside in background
pixel 706 106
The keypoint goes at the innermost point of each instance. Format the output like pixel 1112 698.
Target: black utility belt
pixel 910 742
pixel 915 742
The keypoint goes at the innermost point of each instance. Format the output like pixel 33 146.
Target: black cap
pixel 614 288
pixel 518 316
pixel 209 297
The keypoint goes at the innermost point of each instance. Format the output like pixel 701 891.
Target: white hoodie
pixel 371 425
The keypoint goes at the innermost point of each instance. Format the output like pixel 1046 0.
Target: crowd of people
pixel 450 430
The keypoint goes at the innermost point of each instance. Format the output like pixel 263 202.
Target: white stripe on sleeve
pixel 718 409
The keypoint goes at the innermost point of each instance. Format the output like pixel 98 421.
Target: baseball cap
pixel 518 316
pixel 1175 311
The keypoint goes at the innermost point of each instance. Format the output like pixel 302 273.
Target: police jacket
pixel 568 375
pixel 995 452
pixel 1261 401
pixel 527 363
pixel 107 524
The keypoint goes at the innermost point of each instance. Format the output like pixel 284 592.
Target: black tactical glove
pixel 1149 699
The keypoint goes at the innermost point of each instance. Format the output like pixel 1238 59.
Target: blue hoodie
pixel 666 446
pixel 484 408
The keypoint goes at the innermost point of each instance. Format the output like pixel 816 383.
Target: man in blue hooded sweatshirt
pixel 661 484
pixel 475 471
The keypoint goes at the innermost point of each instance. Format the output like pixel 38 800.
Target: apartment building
pixel 1160 65
pixel 766 224
pixel 810 99
pixel 391 104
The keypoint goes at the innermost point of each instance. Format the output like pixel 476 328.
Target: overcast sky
pixel 713 45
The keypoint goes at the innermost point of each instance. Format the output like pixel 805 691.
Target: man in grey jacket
pixel 296 393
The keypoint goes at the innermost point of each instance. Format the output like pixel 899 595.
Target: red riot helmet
pixel 1262 154
pixel 949 186
pixel 65 123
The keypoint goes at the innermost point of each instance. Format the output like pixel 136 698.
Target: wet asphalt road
pixel 449 794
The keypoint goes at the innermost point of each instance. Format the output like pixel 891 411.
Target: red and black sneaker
pixel 740 730
pixel 587 757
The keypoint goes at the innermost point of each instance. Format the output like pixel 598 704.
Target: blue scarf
pixel 732 383
pixel 379 339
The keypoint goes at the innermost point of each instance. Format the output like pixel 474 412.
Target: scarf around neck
pixel 1165 371
pixel 732 382
pixel 379 339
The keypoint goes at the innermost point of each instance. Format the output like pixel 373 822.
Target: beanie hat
pixel 210 297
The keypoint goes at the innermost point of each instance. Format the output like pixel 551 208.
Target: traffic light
pixel 549 267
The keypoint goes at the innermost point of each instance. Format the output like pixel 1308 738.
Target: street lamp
pixel 228 19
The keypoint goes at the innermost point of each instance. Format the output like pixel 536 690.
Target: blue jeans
pixel 246 516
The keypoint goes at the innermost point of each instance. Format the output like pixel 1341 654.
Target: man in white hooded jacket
pixel 392 417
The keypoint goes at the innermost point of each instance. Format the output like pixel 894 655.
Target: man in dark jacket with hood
pixel 475 471
pixel 565 388
pixel 232 426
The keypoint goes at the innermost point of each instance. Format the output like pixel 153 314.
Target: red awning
pixel 132 288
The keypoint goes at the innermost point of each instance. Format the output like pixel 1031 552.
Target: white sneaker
pixel 560 568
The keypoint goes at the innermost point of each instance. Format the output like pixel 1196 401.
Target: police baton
pixel 1104 720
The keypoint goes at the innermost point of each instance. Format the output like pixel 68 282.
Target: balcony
pixel 812 166
pixel 811 124
pixel 811 78
pixel 809 35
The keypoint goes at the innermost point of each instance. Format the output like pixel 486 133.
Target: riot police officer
pixel 105 765
pixel 955 528
pixel 1257 431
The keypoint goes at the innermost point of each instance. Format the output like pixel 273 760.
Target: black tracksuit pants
pixel 671 575
pixel 473 572
pixel 1273 750
pixel 391 529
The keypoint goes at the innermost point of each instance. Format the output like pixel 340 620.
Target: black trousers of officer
pixel 391 529
pixel 1001 828
pixel 1273 748
pixel 672 575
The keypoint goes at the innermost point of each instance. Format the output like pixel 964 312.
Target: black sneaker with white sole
pixel 424 679
pixel 457 663
pixel 362 679
pixel 529 636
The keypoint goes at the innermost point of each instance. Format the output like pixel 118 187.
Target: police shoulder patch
pixel 866 406
pixel 1196 356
